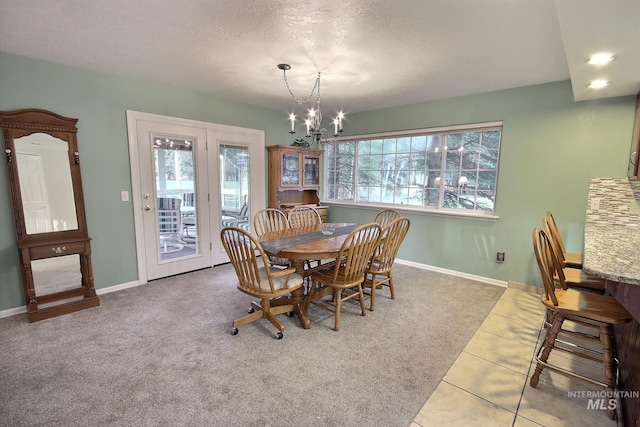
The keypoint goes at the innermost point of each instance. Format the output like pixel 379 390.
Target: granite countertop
pixel 612 252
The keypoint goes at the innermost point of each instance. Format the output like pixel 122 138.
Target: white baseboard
pixel 119 287
pixel 13 311
pixel 133 284
pixel 101 291
pixel 495 282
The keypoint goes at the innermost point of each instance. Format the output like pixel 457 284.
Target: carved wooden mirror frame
pixel 54 242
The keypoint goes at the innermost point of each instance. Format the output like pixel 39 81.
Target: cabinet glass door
pixel 311 171
pixel 290 170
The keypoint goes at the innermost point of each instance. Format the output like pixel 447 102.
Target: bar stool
pixel 591 310
pixel 574 277
pixel 570 259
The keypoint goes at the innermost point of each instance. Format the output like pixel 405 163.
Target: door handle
pixel 147 207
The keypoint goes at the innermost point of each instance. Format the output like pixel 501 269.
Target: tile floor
pixel 488 385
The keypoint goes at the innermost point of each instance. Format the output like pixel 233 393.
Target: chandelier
pixel 313 121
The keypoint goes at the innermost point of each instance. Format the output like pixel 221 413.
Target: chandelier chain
pixel 302 101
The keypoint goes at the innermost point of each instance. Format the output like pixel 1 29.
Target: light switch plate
pixel 124 195
pixel 595 204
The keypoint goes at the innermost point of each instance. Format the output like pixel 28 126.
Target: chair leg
pixel 608 363
pixel 248 318
pixel 338 301
pixel 361 299
pixel 372 303
pixel 274 321
pixel 545 349
pixel 391 289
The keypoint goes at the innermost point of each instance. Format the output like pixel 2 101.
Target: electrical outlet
pixel 500 257
pixel 634 207
pixel 595 204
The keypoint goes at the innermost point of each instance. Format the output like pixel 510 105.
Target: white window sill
pixel 419 210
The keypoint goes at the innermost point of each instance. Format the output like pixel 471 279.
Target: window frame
pixel 419 209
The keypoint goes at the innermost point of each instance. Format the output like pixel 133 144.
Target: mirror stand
pixel 43 164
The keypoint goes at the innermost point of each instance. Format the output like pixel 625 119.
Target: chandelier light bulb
pixel 292 117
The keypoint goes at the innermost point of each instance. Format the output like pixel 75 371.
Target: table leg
pixel 297 296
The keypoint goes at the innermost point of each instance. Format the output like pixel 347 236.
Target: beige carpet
pixel 161 355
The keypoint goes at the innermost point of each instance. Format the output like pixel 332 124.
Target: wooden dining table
pixel 303 244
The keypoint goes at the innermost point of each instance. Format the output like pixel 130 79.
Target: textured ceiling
pixel 372 54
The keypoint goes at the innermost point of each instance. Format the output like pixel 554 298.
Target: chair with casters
pixel 344 280
pixel 268 220
pixel 300 216
pixel 573 277
pixel 256 278
pixel 591 311
pixel 570 259
pixel 378 272
pixel 385 216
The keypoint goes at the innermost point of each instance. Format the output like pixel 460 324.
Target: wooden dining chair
pixel 266 221
pixel 570 259
pixel 300 216
pixel 573 277
pixel 256 278
pixel 385 216
pixel 590 310
pixel 348 274
pixel 378 272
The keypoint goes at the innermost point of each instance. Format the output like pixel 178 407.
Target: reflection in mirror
pixel 56 274
pixel 45 183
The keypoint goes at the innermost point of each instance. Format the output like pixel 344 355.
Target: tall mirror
pixel 43 165
pixel 46 190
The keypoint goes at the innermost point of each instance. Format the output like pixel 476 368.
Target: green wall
pixel 99 102
pixel 551 146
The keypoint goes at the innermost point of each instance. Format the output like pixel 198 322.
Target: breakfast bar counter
pixel 612 251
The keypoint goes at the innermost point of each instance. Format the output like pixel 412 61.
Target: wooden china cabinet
pixel 294 178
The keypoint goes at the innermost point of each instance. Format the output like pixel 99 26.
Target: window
pixel 446 168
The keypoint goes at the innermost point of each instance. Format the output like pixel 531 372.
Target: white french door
pixel 189 178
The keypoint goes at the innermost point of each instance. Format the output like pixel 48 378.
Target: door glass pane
pixel 234 168
pixel 176 197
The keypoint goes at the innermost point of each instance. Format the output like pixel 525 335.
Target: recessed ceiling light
pixel 598 84
pixel 600 58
